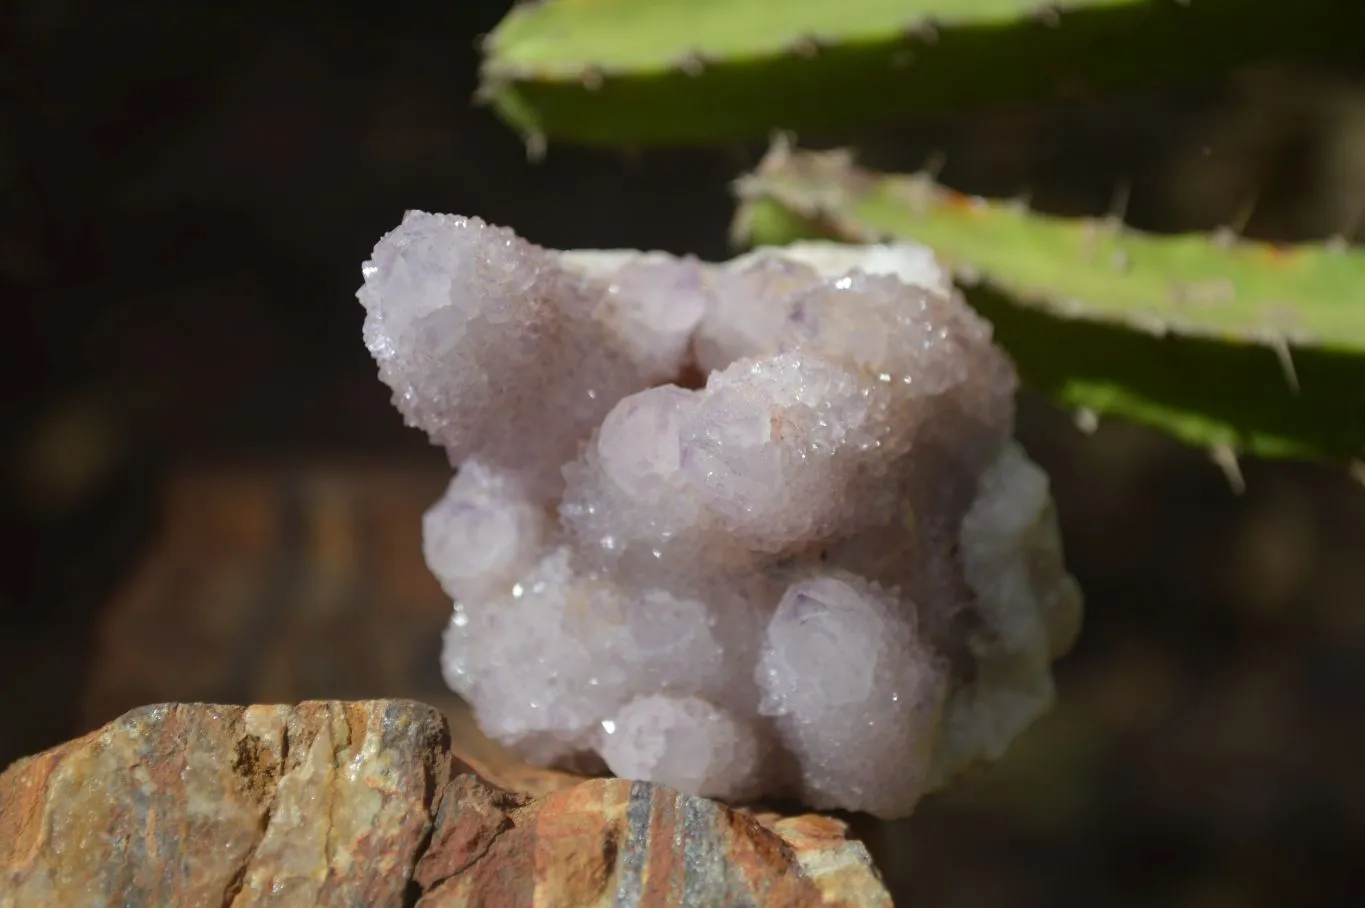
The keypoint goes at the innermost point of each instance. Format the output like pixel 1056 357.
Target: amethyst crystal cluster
pixel 750 529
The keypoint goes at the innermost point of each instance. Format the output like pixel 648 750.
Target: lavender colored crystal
pixel 828 573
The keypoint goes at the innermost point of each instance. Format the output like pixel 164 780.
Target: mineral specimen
pixel 828 572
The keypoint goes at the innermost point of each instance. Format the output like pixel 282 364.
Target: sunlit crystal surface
pixel 827 573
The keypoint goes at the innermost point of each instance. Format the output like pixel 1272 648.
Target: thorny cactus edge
pixel 651 72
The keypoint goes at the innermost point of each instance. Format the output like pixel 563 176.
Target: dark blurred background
pixel 206 495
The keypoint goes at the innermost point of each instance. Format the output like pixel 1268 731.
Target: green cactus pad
pixel 641 72
pixel 1222 343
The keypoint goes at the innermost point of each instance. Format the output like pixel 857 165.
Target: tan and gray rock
pixel 325 803
pixel 366 803
pixel 614 842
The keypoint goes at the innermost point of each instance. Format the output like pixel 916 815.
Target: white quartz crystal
pixel 653 304
pixel 748 530
pixel 481 335
pixel 856 692
pixel 685 743
pixel 483 534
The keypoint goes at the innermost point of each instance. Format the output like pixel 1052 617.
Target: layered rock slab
pixel 332 803
pixel 324 803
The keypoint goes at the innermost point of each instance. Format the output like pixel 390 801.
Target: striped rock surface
pixel 365 803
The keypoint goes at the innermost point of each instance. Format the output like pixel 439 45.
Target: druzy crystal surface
pixel 752 529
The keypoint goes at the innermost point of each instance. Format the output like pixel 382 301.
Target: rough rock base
pixel 367 803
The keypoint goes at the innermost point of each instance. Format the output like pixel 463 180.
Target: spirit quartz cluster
pixel 754 529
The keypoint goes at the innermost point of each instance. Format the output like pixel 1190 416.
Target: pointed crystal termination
pixel 828 573
pixel 486 341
